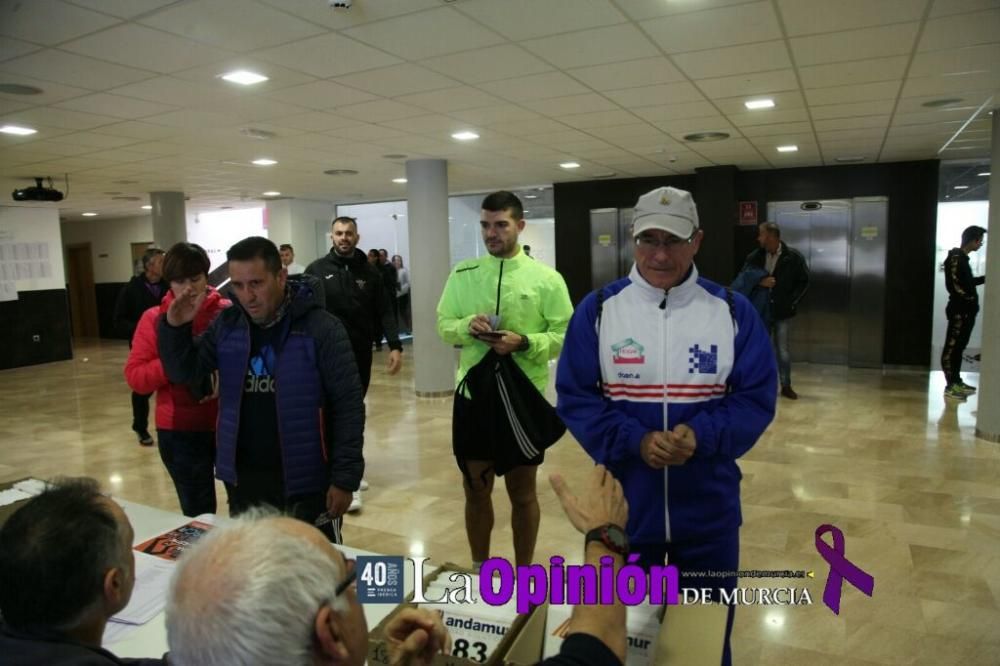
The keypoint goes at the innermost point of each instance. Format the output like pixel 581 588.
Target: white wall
pixel 217 232
pixel 540 234
pixel 380 225
pixel 34 226
pixel 110 243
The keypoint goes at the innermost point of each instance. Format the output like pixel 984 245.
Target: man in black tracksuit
pixel 963 305
pixel 356 293
pixel 786 282
pixel 142 292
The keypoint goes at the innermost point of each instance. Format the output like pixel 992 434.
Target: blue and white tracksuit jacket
pixel 661 359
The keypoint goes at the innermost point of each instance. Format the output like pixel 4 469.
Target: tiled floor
pixel 880 455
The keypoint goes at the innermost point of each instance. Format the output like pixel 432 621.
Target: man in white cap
pixel 667 378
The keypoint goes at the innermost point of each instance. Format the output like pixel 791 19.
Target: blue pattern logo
pixel 705 362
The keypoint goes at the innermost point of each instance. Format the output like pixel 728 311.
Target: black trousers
pixel 190 459
pixel 140 411
pixel 363 357
pixel 960 325
pixel 265 488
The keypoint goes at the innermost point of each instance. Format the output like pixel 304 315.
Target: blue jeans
pixel 779 338
pixel 190 459
pixel 694 560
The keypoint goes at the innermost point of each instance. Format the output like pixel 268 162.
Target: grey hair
pixel 248 593
pixel 772 228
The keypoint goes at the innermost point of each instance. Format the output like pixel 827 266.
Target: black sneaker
pixel 787 392
pixel 968 389
pixel 145 439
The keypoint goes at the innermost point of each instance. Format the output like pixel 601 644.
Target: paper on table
pixel 152 577
pixel 12 495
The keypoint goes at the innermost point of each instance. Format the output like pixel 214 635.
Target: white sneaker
pixel 355 502
pixel 364 485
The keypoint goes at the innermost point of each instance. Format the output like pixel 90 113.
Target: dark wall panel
pixel 107 295
pixel 910 186
pixel 44 313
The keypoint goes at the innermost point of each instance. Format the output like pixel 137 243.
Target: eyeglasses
pixel 668 243
pixel 348 580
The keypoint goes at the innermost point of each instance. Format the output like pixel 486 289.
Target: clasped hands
pixel 672 447
pixel 505 344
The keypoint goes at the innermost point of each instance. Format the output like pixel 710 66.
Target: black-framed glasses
pixel 653 243
pixel 348 580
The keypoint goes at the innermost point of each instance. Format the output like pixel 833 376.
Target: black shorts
pixel 467 440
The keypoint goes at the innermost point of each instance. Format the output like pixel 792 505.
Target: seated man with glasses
pixel 668 378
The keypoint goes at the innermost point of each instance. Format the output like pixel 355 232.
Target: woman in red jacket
pixel 185 415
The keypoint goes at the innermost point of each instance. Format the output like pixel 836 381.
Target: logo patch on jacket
pixel 628 351
pixel 705 362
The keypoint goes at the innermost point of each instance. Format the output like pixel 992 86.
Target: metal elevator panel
pixel 869 234
pixel 820 230
pixel 611 246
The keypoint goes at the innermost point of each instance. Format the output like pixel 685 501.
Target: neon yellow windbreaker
pixel 534 301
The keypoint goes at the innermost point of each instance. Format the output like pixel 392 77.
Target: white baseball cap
pixel 667 209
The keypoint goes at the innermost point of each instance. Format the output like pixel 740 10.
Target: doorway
pixel 139 249
pixel 82 295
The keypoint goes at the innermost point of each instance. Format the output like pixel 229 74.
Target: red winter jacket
pixel 176 408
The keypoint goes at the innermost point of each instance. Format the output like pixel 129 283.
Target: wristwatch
pixel 612 536
pixel 525 343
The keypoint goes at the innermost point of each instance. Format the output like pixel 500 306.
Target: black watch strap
pixel 612 536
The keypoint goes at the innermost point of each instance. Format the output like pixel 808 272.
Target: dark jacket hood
pixel 357 257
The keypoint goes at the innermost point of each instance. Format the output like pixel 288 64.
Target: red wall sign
pixel 748 212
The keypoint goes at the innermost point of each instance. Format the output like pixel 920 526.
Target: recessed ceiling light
pixel 271 193
pixel 570 165
pixel 759 104
pixel 530 196
pixel 244 77
pixel 465 136
pixel 147 207
pixel 399 181
pixel 17 130
pixel 90 214
pixel 961 187
pixel 849 159
pixel 706 136
pixel 341 172
pixel 19 89
pixel 985 173
pixel 787 149
pixel 944 101
pixel 264 161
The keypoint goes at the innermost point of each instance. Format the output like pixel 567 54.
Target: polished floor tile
pixel 880 455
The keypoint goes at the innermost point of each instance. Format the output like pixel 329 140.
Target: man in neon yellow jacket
pixel 514 305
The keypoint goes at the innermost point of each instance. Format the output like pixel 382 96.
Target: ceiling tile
pixel 956 61
pixel 397 80
pixel 681 126
pixel 525 19
pixel 559 106
pixel 827 111
pixel 137 130
pixel 757 83
pixel 543 86
pixel 952 32
pixel 361 12
pixel 668 93
pixel 727 26
pixel 877 42
pixel 782 102
pixel 644 9
pixel 170 90
pixel 931 116
pixel 593 47
pixel 863 92
pixel 545 128
pixel 499 113
pixel 849 73
pixel 73 70
pixel 192 118
pixel 11 48
pixel 51 92
pixel 450 99
pixel 806 17
pixel 61 118
pixel 945 7
pixel 318 121
pixel 211 74
pixel 370 132
pixel 115 105
pixel 631 74
pixel 969 86
pixel 34 21
pixel 380 111
pixel 95 141
pixel 734 60
pixel 425 34
pixel 326 56
pixel 321 95
pixel 488 64
pixel 123 8
pixel 779 128
pixel 144 47
pixel 870 134
pixel 773 116
pixel 231 24
pixel 599 119
pixel 860 122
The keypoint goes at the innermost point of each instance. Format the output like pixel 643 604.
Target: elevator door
pixel 820 230
pixel 611 246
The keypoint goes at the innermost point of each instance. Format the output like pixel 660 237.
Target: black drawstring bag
pixel 517 420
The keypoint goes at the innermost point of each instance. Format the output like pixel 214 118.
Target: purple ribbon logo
pixel 840 568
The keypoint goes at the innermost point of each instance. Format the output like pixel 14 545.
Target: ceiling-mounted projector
pixel 38 193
